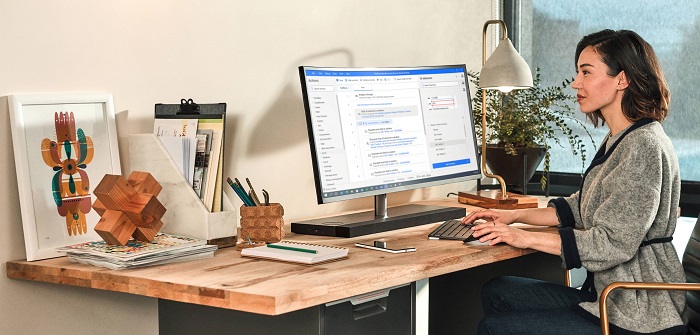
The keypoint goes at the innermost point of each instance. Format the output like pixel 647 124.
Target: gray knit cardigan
pixel 629 195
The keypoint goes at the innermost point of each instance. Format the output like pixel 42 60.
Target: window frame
pixel 565 183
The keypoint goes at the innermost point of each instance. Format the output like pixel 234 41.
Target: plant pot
pixel 510 167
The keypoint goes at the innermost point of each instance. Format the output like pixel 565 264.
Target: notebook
pixel 296 252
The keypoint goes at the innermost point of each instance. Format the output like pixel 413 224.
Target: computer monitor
pixel 374 131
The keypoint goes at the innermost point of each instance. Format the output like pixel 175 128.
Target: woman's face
pixel 596 90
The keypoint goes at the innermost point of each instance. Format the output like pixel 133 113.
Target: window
pixel 546 33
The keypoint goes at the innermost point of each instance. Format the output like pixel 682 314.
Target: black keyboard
pixel 452 230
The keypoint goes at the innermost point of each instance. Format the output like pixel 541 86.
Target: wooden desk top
pixel 270 287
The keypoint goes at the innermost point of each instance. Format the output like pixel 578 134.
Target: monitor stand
pixel 381 220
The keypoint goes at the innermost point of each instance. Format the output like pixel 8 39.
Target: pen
pixel 238 192
pixel 233 186
pixel 245 194
pixel 252 193
pixel 278 246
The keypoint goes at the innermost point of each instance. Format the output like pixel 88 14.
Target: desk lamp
pixel 505 70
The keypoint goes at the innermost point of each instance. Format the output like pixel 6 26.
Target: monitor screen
pixel 380 130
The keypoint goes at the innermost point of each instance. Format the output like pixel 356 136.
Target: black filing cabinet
pixel 386 315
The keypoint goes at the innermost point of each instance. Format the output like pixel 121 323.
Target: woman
pixel 618 225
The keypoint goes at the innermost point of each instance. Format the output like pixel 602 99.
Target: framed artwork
pixel 63 145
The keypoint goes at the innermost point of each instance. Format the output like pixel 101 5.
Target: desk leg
pixel 422 306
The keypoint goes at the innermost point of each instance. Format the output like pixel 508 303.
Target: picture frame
pixel 64 144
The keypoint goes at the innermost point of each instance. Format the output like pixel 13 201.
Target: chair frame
pixel 637 286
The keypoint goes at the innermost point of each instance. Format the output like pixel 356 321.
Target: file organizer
pixel 209 116
pixel 186 214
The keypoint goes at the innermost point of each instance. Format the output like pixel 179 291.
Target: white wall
pixel 244 53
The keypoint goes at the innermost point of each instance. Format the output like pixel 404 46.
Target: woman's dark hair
pixel 647 95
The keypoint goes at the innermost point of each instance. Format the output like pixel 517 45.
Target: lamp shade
pixel 505 69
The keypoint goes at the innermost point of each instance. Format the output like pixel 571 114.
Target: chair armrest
pixel 637 286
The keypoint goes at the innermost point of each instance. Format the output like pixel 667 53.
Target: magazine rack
pixel 186 214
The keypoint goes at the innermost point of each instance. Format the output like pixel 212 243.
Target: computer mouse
pixel 471 238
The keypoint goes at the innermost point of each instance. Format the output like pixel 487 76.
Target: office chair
pixel 691 267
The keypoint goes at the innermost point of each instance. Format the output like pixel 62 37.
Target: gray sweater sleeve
pixel 567 211
pixel 569 218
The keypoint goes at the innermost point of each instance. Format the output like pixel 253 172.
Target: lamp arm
pixel 501 182
pixel 483 39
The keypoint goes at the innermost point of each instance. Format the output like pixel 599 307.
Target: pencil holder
pixel 262 223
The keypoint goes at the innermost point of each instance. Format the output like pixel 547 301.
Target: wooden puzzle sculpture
pixel 128 207
pixel 69 155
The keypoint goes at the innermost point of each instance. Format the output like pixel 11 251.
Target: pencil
pixel 277 246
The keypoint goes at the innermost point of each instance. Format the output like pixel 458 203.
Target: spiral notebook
pixel 297 252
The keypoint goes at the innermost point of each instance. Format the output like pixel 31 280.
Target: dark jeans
pixel 521 306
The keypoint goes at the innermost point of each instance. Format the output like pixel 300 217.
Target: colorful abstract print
pixel 69 155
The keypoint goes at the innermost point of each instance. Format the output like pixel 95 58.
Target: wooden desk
pixel 230 281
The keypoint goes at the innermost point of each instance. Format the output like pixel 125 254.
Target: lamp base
pixel 492 199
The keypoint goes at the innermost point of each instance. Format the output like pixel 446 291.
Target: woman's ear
pixel 622 81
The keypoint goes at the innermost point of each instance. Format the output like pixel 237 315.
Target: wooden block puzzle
pixel 114 227
pixel 128 208
pixel 144 182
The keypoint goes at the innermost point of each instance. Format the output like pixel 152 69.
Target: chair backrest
pixel 691 265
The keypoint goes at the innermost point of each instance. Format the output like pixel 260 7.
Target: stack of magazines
pixel 165 248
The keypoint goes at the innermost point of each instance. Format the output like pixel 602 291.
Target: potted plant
pixel 527 120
